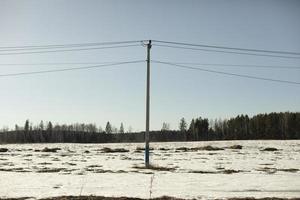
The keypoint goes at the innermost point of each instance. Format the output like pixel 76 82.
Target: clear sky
pixel 117 94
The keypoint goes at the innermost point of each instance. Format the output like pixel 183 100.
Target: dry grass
pixel 270 149
pixel 205 148
pixel 19 169
pixel 3 150
pixel 50 170
pixel 220 171
pixel 51 150
pixel 143 149
pixel 155 168
pixel 237 146
pixel 109 150
pixel 271 170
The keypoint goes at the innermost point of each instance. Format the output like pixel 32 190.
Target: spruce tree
pixel 121 128
pixel 108 128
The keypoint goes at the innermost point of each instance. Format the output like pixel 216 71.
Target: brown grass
pixel 2 150
pixel 109 150
pixel 155 168
pixel 270 149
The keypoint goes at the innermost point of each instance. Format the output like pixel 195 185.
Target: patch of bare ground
pixel 237 146
pixel 202 172
pixel 288 170
pixel 118 150
pixel 270 149
pixel 94 166
pixel 27 155
pixel 164 149
pixel 18 169
pixel 103 171
pixel 50 170
pixel 271 170
pixel 268 170
pixel 44 163
pixel 205 148
pixel 220 171
pixel 143 149
pixel 155 168
pixel 3 150
pixel 51 150
pixel 68 163
pixel 231 171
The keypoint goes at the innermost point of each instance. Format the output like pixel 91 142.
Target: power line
pixel 71 45
pixel 222 51
pixel 55 63
pixel 179 63
pixel 227 73
pixel 70 69
pixel 227 48
pixel 64 50
pixel 236 65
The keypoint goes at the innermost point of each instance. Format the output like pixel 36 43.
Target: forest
pixel 272 126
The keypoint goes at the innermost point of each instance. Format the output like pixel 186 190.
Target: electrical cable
pixel 65 50
pixel 70 45
pixel 227 48
pixel 230 52
pixel 227 73
pixel 236 65
pixel 70 69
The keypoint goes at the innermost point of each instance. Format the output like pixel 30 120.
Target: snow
pixel 25 172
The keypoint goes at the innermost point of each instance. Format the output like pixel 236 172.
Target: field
pixel 201 170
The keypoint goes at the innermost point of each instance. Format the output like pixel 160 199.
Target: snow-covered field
pixel 204 173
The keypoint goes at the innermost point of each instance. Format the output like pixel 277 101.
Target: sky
pixel 117 94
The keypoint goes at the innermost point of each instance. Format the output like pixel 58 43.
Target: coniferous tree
pixel 192 130
pixel 49 127
pixel 108 128
pixel 26 126
pixel 121 128
pixel 182 125
pixel 17 127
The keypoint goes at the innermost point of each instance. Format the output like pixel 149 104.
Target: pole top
pixel 149 44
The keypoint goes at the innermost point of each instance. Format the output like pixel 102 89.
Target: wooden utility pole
pixel 147 138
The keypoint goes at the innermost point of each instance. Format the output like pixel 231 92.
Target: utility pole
pixel 147 138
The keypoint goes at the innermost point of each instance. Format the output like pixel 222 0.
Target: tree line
pixel 242 127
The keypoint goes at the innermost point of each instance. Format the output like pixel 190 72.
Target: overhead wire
pixel 70 69
pixel 54 63
pixel 66 50
pixel 238 65
pixel 70 45
pixel 226 73
pixel 225 51
pixel 124 44
pixel 180 63
pixel 227 48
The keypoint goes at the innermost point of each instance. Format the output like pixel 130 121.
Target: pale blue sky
pixel 117 94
